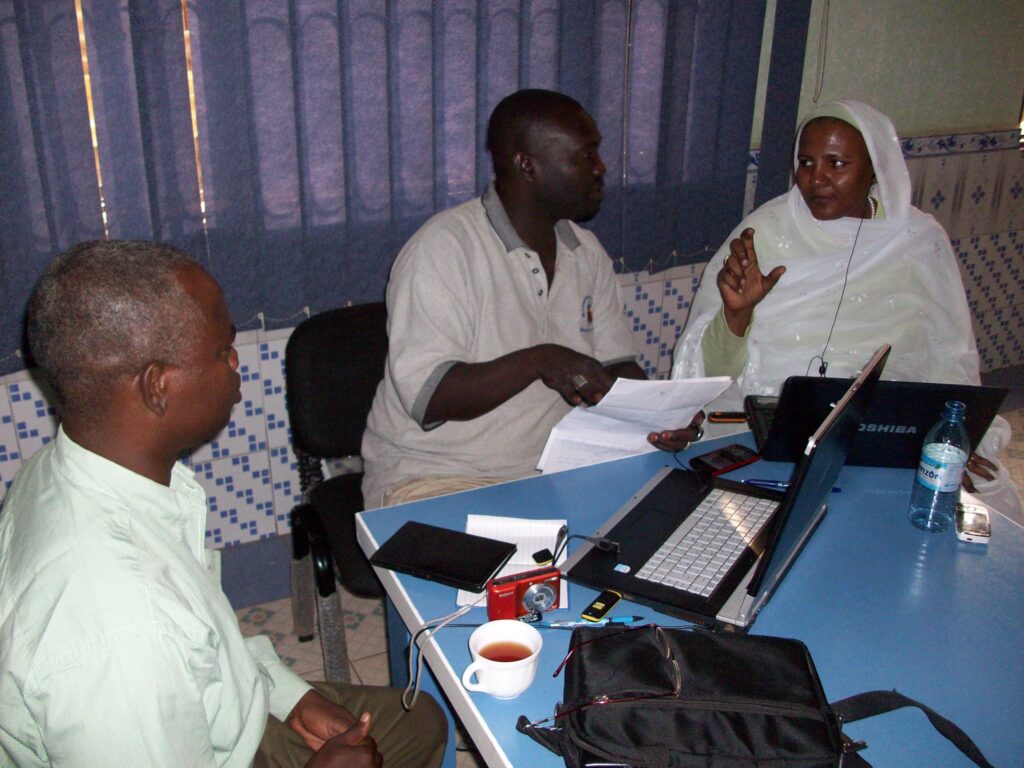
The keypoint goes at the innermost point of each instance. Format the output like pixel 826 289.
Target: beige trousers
pixel 417 488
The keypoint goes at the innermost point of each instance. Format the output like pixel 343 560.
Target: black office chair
pixel 333 364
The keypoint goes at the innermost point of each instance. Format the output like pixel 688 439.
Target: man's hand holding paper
pixel 629 420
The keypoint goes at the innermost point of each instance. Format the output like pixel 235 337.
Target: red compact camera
pixel 523 593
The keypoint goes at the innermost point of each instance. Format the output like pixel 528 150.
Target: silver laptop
pixel 711 550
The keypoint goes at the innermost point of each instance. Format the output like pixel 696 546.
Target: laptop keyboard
pixel 700 552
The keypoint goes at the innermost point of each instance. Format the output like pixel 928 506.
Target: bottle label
pixel 941 467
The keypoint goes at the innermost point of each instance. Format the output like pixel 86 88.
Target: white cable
pixel 823 368
pixel 427 632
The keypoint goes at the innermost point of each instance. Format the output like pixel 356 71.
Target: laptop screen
pixel 814 477
pixel 900 414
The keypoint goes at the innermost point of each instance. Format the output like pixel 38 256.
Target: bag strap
pixel 870 703
pixel 549 738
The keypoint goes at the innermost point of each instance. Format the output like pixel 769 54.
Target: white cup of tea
pixel 505 655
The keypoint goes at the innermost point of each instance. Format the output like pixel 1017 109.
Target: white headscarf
pixel 903 286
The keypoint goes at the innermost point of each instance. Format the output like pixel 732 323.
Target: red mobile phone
pixel 724 460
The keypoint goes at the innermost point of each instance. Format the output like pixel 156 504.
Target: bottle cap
pixel 954 410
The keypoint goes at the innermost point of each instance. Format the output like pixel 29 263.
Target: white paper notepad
pixel 528 535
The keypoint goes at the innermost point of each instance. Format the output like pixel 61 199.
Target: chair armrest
pixel 318 546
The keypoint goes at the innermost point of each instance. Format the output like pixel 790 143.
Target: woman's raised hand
pixel 741 283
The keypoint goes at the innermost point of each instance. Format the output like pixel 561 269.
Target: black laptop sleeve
pixel 450 557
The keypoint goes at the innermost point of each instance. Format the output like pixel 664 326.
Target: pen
pixel 570 624
pixel 777 485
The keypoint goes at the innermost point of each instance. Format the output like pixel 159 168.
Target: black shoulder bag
pixel 675 698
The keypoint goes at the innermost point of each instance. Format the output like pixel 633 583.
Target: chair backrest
pixel 333 364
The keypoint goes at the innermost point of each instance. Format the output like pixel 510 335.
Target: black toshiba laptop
pixel 894 427
pixel 747 538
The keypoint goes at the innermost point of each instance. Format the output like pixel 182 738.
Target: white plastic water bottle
pixel 943 459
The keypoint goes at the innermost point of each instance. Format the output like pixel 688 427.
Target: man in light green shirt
pixel 117 644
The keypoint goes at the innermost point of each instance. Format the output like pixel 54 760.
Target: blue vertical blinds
pixel 328 131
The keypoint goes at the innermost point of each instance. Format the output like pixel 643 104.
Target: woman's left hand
pixel 980 466
pixel 679 439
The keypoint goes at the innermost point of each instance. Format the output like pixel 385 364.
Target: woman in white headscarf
pixel 817 279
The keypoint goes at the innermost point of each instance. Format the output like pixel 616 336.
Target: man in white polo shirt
pixel 502 314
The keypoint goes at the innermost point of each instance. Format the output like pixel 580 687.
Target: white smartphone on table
pixel 972 523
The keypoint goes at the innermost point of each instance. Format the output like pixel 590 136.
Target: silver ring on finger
pixel 579 381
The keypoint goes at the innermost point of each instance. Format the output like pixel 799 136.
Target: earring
pixel 871 205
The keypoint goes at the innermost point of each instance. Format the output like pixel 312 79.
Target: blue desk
pixel 879 603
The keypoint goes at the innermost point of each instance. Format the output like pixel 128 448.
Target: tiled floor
pixel 364 619
pixel 364 629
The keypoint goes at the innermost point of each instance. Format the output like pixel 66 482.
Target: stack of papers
pixel 529 536
pixel 618 425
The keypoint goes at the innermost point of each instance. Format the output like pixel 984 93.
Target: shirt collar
pixel 98 474
pixel 507 233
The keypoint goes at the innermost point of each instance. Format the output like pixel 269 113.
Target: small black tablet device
pixel 449 557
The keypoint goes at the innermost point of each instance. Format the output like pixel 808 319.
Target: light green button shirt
pixel 118 646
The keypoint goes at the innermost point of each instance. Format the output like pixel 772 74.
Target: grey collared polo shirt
pixel 465 288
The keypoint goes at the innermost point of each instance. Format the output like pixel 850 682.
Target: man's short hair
pixel 103 310
pixel 511 120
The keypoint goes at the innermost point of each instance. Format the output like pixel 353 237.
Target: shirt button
pixel 178 539
pixel 540 292
pixel 535 270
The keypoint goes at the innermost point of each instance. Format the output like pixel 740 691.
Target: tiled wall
pixel 974 185
pixel 248 470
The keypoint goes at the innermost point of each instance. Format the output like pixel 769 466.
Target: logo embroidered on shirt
pixel 587 315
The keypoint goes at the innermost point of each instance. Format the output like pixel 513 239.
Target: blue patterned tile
pixel 980 176
pixel 1000 335
pixel 32 413
pixel 944 193
pixel 272 379
pixel 247 430
pixel 993 270
pixel 10 453
pixel 958 144
pixel 680 287
pixel 931 187
pixel 1010 215
pixel 240 499
pixel 643 312
pixel 284 474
